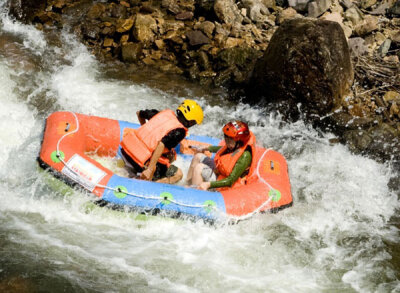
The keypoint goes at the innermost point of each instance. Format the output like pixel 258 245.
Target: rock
pixel 395 9
pixel 334 16
pixel 207 27
pixel 96 11
pixel 367 3
pixel 354 15
pixel 346 3
pixel 173 25
pixel 118 11
pixel 91 30
pixel 25 10
pixel 336 7
pixel 187 15
pixel 384 48
pixel 144 28
pixel 317 7
pixel 124 25
pixel 381 9
pixel 197 38
pixel 108 42
pixel 227 11
pixel 391 96
pixel 392 59
pixel 286 14
pixel 124 39
pixel 131 52
pixel 394 110
pixel 357 46
pixel 257 11
pixel 233 42
pixel 160 44
pixel 368 25
pixel 308 62
pixel 299 5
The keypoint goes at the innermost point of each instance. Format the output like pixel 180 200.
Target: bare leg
pixel 195 161
pixel 197 176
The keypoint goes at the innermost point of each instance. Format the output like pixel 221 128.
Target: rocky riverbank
pixel 335 62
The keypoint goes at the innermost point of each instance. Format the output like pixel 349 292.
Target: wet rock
pixel 25 10
pixel 317 7
pixel 91 30
pixel 308 62
pixel 197 38
pixel 131 52
pixel 227 11
pixel 235 65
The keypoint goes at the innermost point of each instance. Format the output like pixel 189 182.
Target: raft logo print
pixel 83 172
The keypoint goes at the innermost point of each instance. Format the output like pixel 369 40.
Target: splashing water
pixel 338 236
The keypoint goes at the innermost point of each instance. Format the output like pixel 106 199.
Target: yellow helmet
pixel 191 111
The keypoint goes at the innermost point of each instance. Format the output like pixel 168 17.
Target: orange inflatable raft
pixel 68 138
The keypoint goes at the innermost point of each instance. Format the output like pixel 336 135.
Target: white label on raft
pixel 83 172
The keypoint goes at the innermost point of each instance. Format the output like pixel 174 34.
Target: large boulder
pixel 307 62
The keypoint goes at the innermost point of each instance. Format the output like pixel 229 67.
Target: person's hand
pixel 147 174
pixel 204 185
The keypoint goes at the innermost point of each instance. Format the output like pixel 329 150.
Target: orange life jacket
pixel 225 162
pixel 140 143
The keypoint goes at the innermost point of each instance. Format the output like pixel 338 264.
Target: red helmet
pixel 237 130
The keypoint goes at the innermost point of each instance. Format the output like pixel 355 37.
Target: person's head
pixel 236 134
pixel 189 113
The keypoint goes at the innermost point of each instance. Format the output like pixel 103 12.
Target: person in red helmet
pixel 232 162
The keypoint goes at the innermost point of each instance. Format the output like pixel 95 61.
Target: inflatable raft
pixel 69 137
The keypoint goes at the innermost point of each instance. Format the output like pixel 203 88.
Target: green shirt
pixel 240 167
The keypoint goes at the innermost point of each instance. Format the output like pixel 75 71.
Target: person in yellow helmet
pixel 147 150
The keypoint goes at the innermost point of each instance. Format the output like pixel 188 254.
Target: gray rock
pixel 299 5
pixel 384 48
pixel 318 7
pixel 357 46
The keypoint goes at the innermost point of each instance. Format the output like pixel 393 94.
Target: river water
pixel 340 235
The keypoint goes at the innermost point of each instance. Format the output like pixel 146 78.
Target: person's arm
pixel 149 172
pixel 240 167
pixel 213 148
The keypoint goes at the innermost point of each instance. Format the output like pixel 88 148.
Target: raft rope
pixel 118 189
